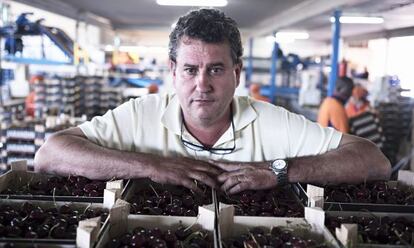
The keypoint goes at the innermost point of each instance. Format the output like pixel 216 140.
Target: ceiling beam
pixel 408 31
pixel 298 13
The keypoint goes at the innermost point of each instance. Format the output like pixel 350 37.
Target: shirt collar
pixel 243 115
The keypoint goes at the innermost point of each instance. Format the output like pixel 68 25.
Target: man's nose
pixel 203 82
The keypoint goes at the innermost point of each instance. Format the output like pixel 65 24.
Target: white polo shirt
pixel 153 124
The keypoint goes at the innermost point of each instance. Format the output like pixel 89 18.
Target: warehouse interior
pixel 64 62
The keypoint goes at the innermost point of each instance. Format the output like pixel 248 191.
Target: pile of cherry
pixel 376 192
pixel 61 186
pixel 278 202
pixel 277 237
pixel 180 237
pixel 378 230
pixel 157 199
pixel 30 221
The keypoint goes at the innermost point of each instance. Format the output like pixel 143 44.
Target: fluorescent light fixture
pixel 202 3
pixel 286 37
pixel 109 48
pixel 292 35
pixel 284 40
pixel 359 19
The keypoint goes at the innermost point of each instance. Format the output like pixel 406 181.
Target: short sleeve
pixel 115 129
pixel 309 138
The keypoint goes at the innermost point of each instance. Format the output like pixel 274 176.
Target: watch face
pixel 279 164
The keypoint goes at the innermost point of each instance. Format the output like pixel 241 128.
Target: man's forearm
pixel 76 155
pixel 352 163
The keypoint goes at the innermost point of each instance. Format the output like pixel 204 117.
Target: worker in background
pixel 358 103
pixel 31 97
pixel 203 132
pixel 332 111
pixel 254 90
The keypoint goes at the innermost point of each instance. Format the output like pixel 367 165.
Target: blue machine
pixel 23 26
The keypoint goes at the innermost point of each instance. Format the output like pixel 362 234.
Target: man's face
pixel 205 79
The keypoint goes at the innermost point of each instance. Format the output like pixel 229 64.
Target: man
pixel 332 111
pixel 205 133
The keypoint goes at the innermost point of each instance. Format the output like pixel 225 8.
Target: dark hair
pixel 207 25
pixel 344 86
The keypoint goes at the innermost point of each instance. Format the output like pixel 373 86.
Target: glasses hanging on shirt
pixel 213 150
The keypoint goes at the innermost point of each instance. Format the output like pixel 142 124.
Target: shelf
pixel 20 60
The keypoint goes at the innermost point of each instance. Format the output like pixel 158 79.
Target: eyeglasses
pixel 217 151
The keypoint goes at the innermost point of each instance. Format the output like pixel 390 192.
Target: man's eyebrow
pixel 190 65
pixel 216 64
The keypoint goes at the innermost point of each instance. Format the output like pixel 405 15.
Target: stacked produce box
pixel 90 95
pixel 10 112
pixel 74 96
pixel 395 120
pixel 110 98
pixel 376 214
pixel 43 210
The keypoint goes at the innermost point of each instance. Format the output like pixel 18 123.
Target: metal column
pixel 273 71
pixel 336 29
pixel 249 68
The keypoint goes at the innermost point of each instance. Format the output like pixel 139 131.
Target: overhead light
pixel 109 48
pixel 292 35
pixel 284 40
pixel 359 19
pixel 203 3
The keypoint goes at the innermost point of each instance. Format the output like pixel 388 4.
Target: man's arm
pixel 70 152
pixel 355 160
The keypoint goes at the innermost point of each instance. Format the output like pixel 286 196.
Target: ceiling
pixel 255 18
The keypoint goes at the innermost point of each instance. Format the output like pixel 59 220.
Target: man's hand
pixel 184 171
pixel 245 176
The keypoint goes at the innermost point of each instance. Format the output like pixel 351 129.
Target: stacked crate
pixel 90 95
pixel 110 98
pixel 10 112
pixel 395 120
pixel 20 143
pixel 57 95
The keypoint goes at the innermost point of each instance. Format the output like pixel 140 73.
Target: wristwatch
pixel 280 167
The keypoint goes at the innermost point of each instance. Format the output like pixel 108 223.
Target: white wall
pixel 304 48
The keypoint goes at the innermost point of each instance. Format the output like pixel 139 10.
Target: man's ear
pixel 238 70
pixel 172 66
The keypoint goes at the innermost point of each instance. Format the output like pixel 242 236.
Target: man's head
pixel 343 88
pixel 210 26
pixel 205 60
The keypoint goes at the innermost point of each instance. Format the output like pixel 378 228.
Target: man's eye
pixel 190 71
pixel 216 70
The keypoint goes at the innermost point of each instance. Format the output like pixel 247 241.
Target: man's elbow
pixel 385 169
pixel 382 169
pixel 44 156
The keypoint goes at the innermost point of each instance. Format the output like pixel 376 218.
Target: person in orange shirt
pixel 255 92
pixel 358 103
pixel 332 111
pixel 31 97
